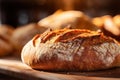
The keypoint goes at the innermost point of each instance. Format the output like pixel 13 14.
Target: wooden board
pixel 14 67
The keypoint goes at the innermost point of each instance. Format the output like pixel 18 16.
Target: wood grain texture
pixel 16 68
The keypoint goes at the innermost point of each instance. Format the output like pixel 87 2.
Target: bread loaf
pixel 23 34
pixel 109 25
pixel 72 19
pixel 71 50
pixel 5 43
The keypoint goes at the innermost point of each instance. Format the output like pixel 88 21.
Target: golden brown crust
pixel 71 50
pixel 65 34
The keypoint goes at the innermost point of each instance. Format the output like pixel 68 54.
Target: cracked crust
pixel 71 50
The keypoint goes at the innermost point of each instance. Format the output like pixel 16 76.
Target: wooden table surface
pixel 15 68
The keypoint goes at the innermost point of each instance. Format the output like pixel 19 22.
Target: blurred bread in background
pixel 116 20
pixel 6 47
pixel 62 19
pixel 23 34
pixel 109 25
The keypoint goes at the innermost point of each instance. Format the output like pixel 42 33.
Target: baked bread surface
pixel 71 50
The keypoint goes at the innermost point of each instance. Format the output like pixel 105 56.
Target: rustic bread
pixel 5 35
pixel 71 50
pixel 63 19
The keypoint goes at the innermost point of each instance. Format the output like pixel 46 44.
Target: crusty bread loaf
pixel 71 50
pixel 5 35
pixel 63 19
pixel 23 34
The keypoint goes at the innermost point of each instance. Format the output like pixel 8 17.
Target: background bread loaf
pixel 6 47
pixel 74 19
pixel 23 34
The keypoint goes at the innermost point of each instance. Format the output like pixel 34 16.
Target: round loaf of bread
pixel 71 50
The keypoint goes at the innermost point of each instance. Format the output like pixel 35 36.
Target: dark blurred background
pixel 21 12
